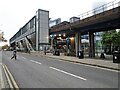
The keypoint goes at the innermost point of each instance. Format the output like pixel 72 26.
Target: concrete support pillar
pixel 21 45
pixel 77 42
pixel 51 42
pixel 72 43
pixel 91 45
pixel 68 48
pixel 52 39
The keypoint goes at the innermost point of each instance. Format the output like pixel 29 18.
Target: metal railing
pixel 101 9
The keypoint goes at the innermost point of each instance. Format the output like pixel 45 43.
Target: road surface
pixel 31 71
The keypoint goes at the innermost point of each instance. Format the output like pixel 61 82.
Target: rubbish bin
pixel 116 57
pixel 56 52
pixel 80 54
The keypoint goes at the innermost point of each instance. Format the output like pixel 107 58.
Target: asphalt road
pixel 32 71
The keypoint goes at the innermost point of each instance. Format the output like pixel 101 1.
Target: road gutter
pixel 117 69
pixel 112 68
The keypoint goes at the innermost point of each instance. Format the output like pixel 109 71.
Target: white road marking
pixel 11 78
pixel 7 77
pixel 35 62
pixel 1 77
pixel 68 73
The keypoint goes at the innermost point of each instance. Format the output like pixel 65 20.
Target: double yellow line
pixel 11 81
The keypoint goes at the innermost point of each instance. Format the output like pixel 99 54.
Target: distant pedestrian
pixel 14 54
pixel 45 50
pixel 27 50
pixel 102 56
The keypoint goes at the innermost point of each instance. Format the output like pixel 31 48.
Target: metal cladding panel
pixel 43 26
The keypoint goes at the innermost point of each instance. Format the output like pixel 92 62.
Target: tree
pixel 111 39
pixel 5 46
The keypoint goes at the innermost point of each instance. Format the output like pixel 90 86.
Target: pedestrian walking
pixel 14 54
pixel 28 51
pixel 45 50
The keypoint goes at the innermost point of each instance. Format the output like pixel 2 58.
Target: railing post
pixel 119 6
pixel 113 6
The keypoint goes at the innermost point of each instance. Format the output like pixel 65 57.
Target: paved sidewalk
pixel 88 61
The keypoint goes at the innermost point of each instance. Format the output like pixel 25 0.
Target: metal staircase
pixel 28 43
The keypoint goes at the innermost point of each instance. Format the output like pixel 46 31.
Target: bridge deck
pixel 105 20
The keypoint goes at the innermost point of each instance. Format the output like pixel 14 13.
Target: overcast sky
pixel 16 13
